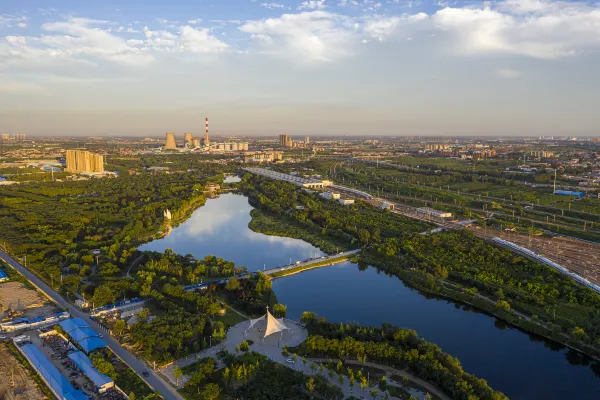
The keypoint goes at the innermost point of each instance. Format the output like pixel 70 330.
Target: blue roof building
pixel 101 381
pixel 61 387
pixel 82 334
pixel 72 323
pixel 3 276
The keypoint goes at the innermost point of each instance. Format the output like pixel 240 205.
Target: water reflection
pixel 503 355
pixel 221 228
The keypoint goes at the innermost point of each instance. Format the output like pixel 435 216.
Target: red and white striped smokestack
pixel 206 129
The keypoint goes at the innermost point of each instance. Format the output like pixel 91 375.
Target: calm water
pixel 221 228
pixel 520 365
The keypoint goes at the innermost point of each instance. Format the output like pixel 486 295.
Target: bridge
pixel 292 268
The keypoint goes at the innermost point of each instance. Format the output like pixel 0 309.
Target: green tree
pixel 232 284
pixel 244 346
pixel 177 373
pixel 210 391
pixel 503 305
pixel 311 385
pixel 119 327
pixel 280 310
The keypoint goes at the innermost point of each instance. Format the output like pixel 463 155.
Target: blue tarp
pixel 85 365
pixel 70 324
pixel 91 344
pixel 61 386
pixel 3 274
pixel 78 334
pixel 569 193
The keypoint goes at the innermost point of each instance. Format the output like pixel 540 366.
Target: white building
pixel 330 195
pixel 434 213
pixel 346 202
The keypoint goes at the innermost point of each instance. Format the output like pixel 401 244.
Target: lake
pixel 220 228
pixel 522 366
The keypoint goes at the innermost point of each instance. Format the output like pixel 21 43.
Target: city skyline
pixel 513 67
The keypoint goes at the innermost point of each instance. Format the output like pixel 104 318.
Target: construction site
pixel 16 300
pixel 16 381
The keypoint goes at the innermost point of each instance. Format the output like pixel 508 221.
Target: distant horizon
pixel 364 67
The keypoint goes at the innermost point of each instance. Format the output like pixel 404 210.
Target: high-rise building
pixel 285 141
pixel 306 140
pixel 170 142
pixel 84 161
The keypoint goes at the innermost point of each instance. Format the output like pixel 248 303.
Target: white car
pixel 290 361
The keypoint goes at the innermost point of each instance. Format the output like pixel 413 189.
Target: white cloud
pixel 197 40
pixel 538 29
pixel 507 73
pixel 13 20
pixel 382 27
pixel 312 5
pixel 307 36
pixel 272 6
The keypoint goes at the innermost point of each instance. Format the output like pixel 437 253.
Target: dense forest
pixel 455 265
pixel 54 226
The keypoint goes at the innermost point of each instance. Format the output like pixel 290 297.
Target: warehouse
pixel 434 212
pixel 82 334
pixel 57 383
pixel 101 381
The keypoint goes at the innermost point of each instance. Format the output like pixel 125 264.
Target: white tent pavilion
pixel 273 324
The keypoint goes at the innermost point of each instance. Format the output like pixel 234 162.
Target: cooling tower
pixel 170 143
pixel 187 139
pixel 196 142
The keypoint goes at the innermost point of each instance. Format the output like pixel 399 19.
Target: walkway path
pixel 310 262
pixel 272 346
pixel 391 371
pixel 153 379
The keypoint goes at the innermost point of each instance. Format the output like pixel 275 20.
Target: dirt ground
pixel 15 296
pixel 15 377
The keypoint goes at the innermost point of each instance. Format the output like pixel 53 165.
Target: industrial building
pixel 187 139
pixel 232 146
pixel 82 334
pixel 170 143
pixel 434 213
pixel 83 161
pixel 296 180
pixel 569 193
pixel 263 156
pixel 346 202
pixel 101 381
pixel 58 384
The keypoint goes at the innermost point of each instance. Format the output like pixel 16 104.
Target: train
pixel 522 250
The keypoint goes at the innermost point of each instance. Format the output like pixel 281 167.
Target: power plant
pixel 202 144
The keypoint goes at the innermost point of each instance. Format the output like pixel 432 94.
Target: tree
pixel 177 373
pixel 210 391
pixel 232 284
pixel 374 393
pixel 103 295
pixel 383 384
pixel 364 236
pixel 503 305
pixel 311 385
pixel 120 327
pixel 244 346
pixel 280 310
pixel 341 379
pixel 308 317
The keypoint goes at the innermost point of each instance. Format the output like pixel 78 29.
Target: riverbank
pixel 450 291
pixel 275 225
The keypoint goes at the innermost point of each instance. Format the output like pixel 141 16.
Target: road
pixel 315 261
pixel 153 380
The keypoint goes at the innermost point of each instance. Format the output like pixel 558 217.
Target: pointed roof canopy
pixel 273 324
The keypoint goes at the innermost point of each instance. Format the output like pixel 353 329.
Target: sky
pixel 316 67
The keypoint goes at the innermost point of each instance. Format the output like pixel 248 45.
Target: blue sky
pixel 304 67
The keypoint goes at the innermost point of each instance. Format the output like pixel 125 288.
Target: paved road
pixel 315 261
pixel 156 382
